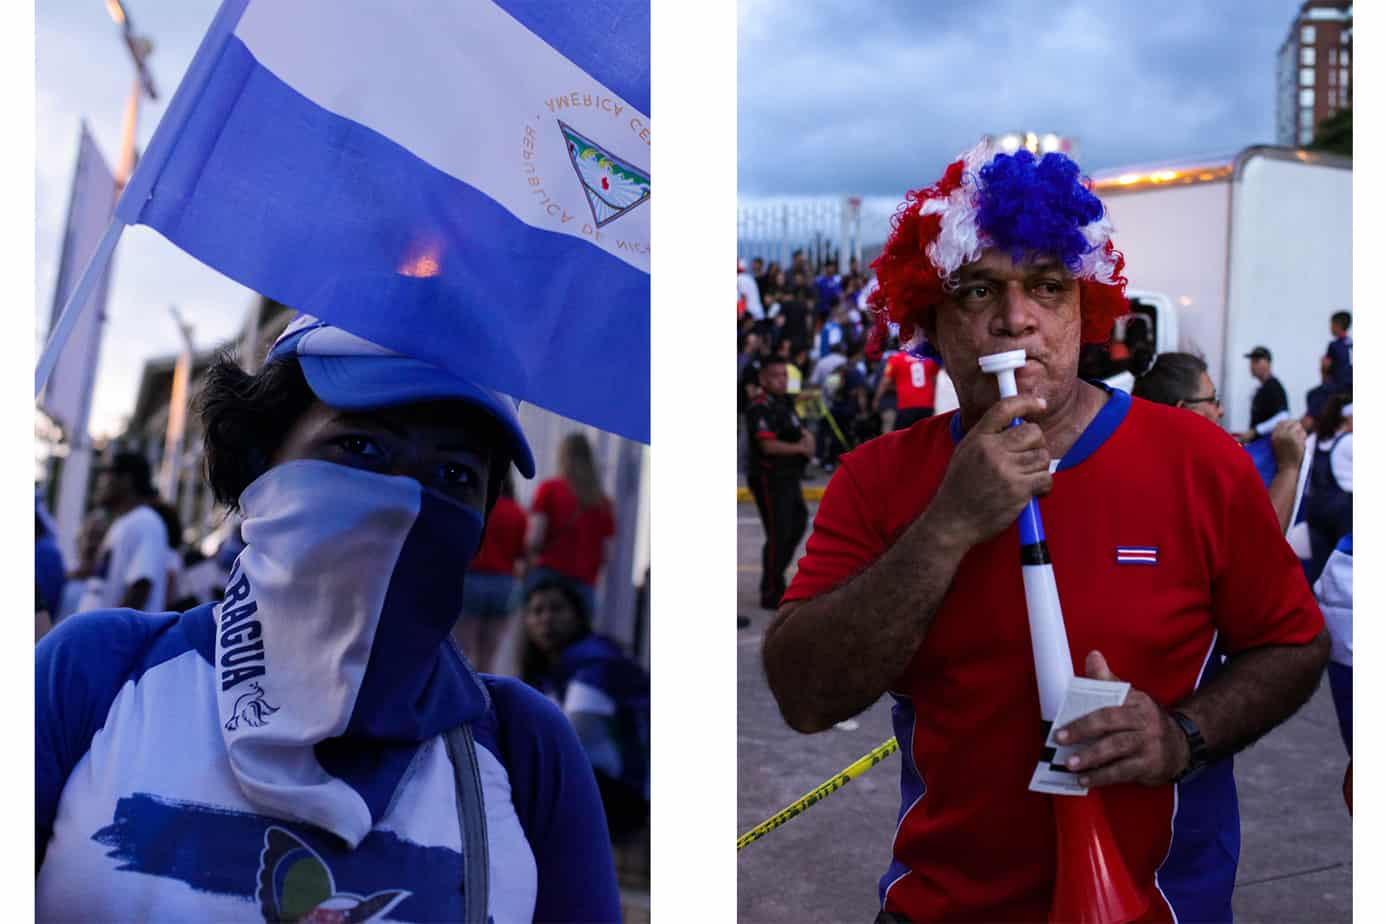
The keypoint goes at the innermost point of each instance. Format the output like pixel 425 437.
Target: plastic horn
pixel 1091 882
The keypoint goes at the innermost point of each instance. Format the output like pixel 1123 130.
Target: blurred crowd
pixel 130 552
pixel 813 318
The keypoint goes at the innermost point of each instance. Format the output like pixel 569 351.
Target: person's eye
pixel 457 473
pixel 975 292
pixel 1050 287
pixel 361 447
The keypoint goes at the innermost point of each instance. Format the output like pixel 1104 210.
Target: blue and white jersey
pixel 140 818
pixel 606 696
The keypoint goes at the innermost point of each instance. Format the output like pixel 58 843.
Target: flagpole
pixel 204 61
pixel 81 294
pixel 141 184
pixel 1305 463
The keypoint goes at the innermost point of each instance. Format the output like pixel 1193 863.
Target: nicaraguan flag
pixel 498 148
pixel 1264 457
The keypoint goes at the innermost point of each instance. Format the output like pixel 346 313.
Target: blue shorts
pixel 487 596
pixel 1340 684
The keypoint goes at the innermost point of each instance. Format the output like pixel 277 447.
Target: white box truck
pixel 1251 249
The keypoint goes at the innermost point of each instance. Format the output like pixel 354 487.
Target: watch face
pixel 1198 748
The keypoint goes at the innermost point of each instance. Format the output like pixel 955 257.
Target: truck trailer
pixel 1236 251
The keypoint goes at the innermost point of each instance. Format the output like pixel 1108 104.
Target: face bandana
pixel 332 651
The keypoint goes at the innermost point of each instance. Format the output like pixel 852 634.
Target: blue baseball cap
pixel 351 373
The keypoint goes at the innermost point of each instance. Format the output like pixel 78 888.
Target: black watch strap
pixel 1198 748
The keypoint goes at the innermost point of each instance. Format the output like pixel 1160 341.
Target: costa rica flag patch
pixel 1137 555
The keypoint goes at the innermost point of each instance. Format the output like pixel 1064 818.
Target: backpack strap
pixel 471 817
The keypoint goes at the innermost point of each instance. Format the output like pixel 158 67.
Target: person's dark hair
pixel 244 419
pixel 533 662
pixel 1172 378
pixel 172 525
pixel 134 467
pixel 774 359
pixel 1343 319
pixel 1330 416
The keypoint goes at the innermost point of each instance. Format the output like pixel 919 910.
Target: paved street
pixel 823 866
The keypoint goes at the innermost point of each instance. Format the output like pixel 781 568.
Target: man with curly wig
pixel 910 584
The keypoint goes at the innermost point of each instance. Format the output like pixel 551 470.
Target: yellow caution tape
pixel 812 492
pixel 832 422
pixel 819 793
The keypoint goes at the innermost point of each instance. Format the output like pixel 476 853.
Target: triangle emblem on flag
pixel 613 186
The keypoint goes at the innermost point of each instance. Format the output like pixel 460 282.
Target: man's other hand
pixel 994 472
pixel 1136 742
pixel 1287 442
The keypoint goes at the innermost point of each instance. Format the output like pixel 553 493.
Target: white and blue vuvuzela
pixel 1062 697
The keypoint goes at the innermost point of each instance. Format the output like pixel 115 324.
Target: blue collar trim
pixel 1108 418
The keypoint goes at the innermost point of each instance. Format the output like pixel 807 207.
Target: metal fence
pixel 837 227
pixel 821 228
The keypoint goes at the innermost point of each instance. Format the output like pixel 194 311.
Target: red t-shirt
pixel 504 541
pixel 915 380
pixel 976 843
pixel 573 538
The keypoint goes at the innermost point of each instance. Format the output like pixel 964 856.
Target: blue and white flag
pixel 500 148
pixel 68 396
pixel 1263 456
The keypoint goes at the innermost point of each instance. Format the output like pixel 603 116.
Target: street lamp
pixel 139 47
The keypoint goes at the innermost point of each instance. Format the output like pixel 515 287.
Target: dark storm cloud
pixel 833 100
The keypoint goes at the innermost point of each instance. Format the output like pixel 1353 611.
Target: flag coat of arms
pixel 477 173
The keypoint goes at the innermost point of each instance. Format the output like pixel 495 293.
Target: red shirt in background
pixel 504 541
pixel 573 538
pixel 914 379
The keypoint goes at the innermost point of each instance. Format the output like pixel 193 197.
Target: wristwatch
pixel 1198 748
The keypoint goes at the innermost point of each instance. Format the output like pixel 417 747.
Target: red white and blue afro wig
pixel 988 199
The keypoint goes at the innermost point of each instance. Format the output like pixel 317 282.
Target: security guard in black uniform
pixel 779 448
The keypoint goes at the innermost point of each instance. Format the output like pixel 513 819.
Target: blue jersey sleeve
pixel 560 809
pixel 1340 352
pixel 79 668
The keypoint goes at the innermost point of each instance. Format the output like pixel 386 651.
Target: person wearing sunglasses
pixel 1182 380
